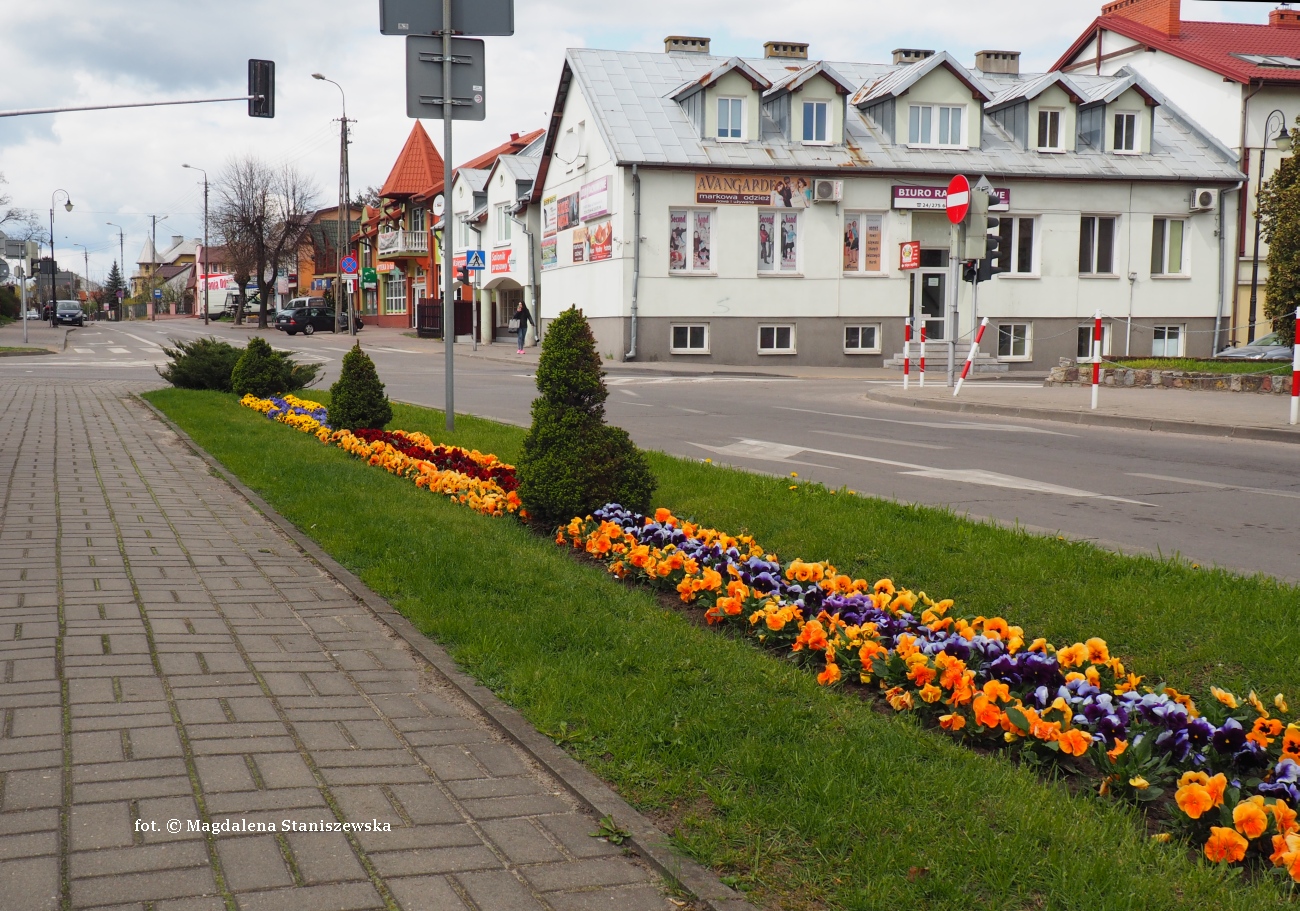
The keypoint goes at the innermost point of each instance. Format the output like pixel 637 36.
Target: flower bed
pixel 482 482
pixel 1233 765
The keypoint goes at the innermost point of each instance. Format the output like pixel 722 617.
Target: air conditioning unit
pixel 1204 199
pixel 828 190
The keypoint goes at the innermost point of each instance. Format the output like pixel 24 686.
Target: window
pixel 1167 342
pixel 690 241
pixel 690 339
pixel 1167 257
pixel 504 224
pixel 863 242
pixel 731 118
pixel 1049 131
pixel 776 339
pixel 395 292
pixel 1084 351
pixel 1013 341
pixel 1126 132
pixel 815 121
pixel 862 339
pixel 1097 245
pixel 417 221
pixel 1017 235
pixel 778 242
pixel 930 125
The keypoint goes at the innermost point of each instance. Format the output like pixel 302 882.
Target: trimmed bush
pixel 572 461
pixel 205 363
pixel 357 398
pixel 262 371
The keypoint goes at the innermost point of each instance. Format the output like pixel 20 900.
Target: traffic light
pixel 997 251
pixel 261 88
pixel 462 275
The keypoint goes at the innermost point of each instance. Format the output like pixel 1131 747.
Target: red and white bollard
pixel 1096 358
pixel 907 351
pixel 1295 374
pixel 974 347
pixel 921 383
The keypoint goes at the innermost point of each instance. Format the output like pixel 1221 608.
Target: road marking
pixel 941 425
pixel 783 452
pixel 150 342
pixel 1289 494
pixel 82 350
pixel 890 442
pixel 1000 384
pixel 631 393
pixel 119 350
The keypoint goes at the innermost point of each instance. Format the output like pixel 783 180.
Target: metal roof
pixel 900 79
pixel 630 96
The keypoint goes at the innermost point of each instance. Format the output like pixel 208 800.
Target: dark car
pixel 308 319
pixel 1265 348
pixel 69 312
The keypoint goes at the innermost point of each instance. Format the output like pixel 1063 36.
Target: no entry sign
pixel 958 199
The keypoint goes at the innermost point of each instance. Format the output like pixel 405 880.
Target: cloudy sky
pixel 124 166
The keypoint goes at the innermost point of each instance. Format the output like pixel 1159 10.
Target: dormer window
pixel 816 121
pixel 1049 131
pixel 731 118
pixel 1125 139
pixel 935 125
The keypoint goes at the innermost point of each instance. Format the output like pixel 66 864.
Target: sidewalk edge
pixel 1230 431
pixel 588 789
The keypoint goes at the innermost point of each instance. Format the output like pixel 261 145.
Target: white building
pixel 746 211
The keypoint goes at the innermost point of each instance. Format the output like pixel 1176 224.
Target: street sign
pixel 424 78
pixel 349 265
pixel 474 260
pixel 157 294
pixel 958 199
pixel 4 270
pixel 468 17
pixel 909 254
pixel 14 249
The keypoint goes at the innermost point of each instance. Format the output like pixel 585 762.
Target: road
pixel 1213 501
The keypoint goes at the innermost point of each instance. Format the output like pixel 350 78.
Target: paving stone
pixel 137 859
pixel 435 860
pixel 324 857
pixel 498 889
pixel 585 873
pixel 251 862
pixel 151 886
pixel 101 825
pixel 359 896
pixel 30 884
pixel 434 892
pixel 627 898
pixel 521 841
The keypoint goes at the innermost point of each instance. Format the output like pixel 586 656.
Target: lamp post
pixel 121 254
pixel 203 265
pixel 1274 129
pixel 344 220
pixel 54 315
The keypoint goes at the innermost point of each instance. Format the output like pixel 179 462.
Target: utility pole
pixel 343 221
pixel 203 265
pixel 121 265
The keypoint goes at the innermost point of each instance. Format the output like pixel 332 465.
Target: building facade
pixel 753 211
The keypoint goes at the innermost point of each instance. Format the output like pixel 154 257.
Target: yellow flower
pixel 1224 696
pixel 1280 702
pixel 1137 781
pixel 794 474
pixel 1162 838
pixel 794 486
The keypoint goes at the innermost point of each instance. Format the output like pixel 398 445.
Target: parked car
pixel 69 312
pixel 33 313
pixel 1265 348
pixel 308 319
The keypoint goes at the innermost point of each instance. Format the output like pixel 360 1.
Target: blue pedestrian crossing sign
pixel 474 260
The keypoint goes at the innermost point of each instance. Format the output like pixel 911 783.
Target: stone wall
pixel 1081 375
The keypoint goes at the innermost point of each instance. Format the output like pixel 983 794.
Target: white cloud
pixel 122 166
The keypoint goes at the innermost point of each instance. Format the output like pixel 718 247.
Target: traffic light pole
pixel 448 243
pixel 950 316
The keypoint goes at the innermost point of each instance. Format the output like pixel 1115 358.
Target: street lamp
pixel 344 221
pixel 1274 129
pixel 204 264
pixel 54 314
pixel 121 266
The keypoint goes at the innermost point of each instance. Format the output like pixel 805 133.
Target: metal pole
pixel 205 248
pixel 54 272
pixel 348 288
pixel 950 320
pixel 448 243
pixel 111 107
pixel 1254 266
pixel 340 298
pixel 22 282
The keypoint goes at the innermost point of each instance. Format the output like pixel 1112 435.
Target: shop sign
pixel 500 261
pixel 780 190
pixel 593 199
pixel 909 254
pixel 936 198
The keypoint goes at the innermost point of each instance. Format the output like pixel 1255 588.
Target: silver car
pixel 1264 348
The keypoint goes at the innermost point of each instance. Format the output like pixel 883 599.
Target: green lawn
pixel 809 798
pixel 1191 365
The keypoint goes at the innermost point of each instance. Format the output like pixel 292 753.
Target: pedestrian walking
pixel 519 324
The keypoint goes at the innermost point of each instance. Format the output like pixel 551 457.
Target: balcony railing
pixel 398 243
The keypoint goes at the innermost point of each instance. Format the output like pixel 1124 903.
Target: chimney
pixel 1284 18
pixel 178 239
pixel 1000 63
pixel 686 44
pixel 910 55
pixel 794 50
pixel 1161 15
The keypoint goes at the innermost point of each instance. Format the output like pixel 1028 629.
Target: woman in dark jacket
pixel 523 318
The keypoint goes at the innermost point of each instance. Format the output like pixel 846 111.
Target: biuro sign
pixel 909 254
pixel 782 191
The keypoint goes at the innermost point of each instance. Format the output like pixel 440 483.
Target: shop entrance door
pixel 929 293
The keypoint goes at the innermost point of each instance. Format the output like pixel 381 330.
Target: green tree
pixel 263 371
pixel 357 398
pixel 572 461
pixel 1279 213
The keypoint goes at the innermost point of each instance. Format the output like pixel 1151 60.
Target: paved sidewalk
pixel 1242 415
pixel 168 655
pixel 39 335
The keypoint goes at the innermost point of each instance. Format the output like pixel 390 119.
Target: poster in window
pixel 548 216
pixel 677 241
pixel 789 241
pixel 579 245
pixel 766 241
pixel 872 228
pixel 703 241
pixel 566 212
pixel 852 243
pixel 550 253
pixel 600 238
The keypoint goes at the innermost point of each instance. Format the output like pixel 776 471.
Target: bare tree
pixel 22 224
pixel 260 210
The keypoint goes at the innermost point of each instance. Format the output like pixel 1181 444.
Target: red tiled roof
pixel 1208 44
pixel 516 144
pixel 418 169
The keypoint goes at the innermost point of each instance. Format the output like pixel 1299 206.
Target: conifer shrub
pixel 205 363
pixel 263 371
pixel 572 461
pixel 357 398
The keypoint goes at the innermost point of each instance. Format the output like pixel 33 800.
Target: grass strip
pixel 806 797
pixel 1193 365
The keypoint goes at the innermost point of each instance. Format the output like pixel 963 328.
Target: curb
pixel 1085 418
pixel 590 791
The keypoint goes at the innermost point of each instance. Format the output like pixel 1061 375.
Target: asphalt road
pixel 1210 500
